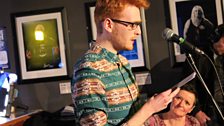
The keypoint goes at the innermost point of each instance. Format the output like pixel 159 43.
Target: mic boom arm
pixel 170 36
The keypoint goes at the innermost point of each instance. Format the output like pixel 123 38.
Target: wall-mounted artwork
pixel 179 14
pixel 40 43
pixel 4 59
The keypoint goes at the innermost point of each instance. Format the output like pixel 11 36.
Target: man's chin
pixel 130 48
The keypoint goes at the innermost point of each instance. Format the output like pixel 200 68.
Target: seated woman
pixel 182 104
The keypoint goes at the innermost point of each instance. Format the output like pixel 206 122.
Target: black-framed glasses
pixel 132 25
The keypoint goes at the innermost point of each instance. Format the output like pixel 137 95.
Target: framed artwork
pixel 223 9
pixel 4 59
pixel 179 12
pixel 139 56
pixel 40 44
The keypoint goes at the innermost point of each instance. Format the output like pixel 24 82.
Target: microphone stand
pixel 203 82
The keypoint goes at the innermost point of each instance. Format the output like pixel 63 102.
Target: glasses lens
pixel 131 25
pixel 135 25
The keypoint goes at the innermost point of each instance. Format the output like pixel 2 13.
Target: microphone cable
pixel 216 73
pixel 194 67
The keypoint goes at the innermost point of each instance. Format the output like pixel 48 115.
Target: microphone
pixel 169 35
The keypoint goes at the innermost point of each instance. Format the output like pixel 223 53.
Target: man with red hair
pixel 104 88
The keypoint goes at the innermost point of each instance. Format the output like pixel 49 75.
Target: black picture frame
pixel 222 4
pixel 178 11
pixel 141 50
pixel 40 60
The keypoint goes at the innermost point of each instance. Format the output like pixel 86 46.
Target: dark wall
pixel 46 95
pixel 155 19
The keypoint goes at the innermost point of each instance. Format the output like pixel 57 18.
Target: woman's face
pixel 183 103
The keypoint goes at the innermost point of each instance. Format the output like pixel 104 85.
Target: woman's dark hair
pixel 217 33
pixel 190 88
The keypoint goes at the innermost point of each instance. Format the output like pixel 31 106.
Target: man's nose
pixel 138 30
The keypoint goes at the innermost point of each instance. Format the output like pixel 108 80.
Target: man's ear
pixel 108 24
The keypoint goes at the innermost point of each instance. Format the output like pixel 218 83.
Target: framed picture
pixel 223 9
pixel 178 13
pixel 4 59
pixel 139 56
pixel 40 44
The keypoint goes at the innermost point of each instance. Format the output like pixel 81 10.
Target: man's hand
pixel 155 104
pixel 160 101
pixel 202 118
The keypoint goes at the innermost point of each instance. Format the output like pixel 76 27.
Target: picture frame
pixel 222 9
pixel 4 56
pixel 40 45
pixel 178 12
pixel 139 56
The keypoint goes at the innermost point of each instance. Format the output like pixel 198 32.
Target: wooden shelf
pixel 17 121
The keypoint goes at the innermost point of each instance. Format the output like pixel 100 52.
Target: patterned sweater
pixel 157 120
pixel 103 88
